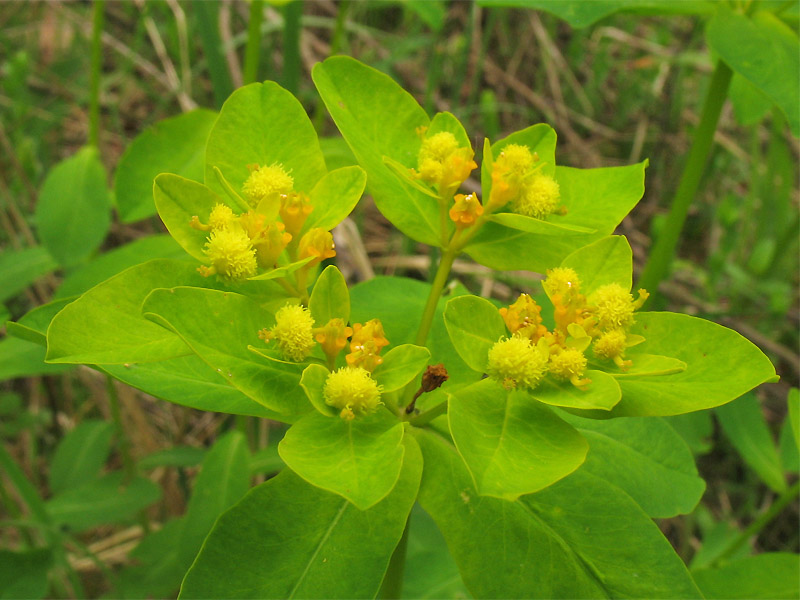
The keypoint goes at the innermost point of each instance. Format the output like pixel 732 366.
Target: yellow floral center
pixel 353 391
pixel 231 254
pixel 538 198
pixel 265 181
pixel 293 332
pixel 516 363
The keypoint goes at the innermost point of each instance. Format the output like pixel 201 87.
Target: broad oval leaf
pixel 360 459
pixel 474 326
pixel 334 197
pixel 80 455
pixel 400 365
pixel 768 576
pixel 285 540
pixel 512 445
pixel 609 260
pixel 175 145
pixel 313 382
pixel 73 212
pixel 20 268
pixel 603 393
pixel 330 298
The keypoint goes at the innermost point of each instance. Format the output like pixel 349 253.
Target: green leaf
pixel 178 200
pixel 579 538
pixel 218 327
pixel 21 358
pixel 73 211
pixel 474 326
pixel 647 365
pixel 263 124
pixel 330 298
pixel 33 325
pixel 764 51
pixel 768 576
pixel 603 393
pixel 431 12
pixel 80 455
pixel 609 260
pixel 400 365
pixel 102 501
pixel 745 427
pixel 156 571
pixel 644 457
pixel 750 105
pixel 695 429
pixel 188 381
pixel 511 444
pixel 177 456
pixel 105 325
pixel 266 461
pixel 579 13
pixel 378 118
pixel 360 459
pixel 288 539
pixel 313 382
pixel 721 366
pixel 24 574
pixel 540 139
pixel 224 478
pixel 596 199
pixel 446 121
pixel 175 145
pixel 20 268
pixel 337 153
pixel 108 264
pixel 793 402
pixel 282 271
pixel 538 226
pixel 430 571
pixel 334 198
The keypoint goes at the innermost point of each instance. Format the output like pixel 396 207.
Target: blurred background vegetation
pixel 626 87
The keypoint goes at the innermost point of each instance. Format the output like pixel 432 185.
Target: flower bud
pixel 366 344
pixel 294 211
pixel 333 337
pixel 466 210
pixel 317 243
pixel 508 172
pixel 524 318
pixel 231 254
pixel 293 332
pixel 265 181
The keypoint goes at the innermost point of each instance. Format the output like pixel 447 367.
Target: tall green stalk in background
pixel 94 82
pixel 658 265
pixel 208 21
pixel 252 51
pixel 292 15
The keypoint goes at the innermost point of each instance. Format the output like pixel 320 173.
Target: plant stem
pixel 292 14
pixel 392 585
pixel 429 415
pixel 124 444
pixel 442 273
pixel 252 52
pixel 756 526
pixel 658 265
pixel 94 81
pixel 208 22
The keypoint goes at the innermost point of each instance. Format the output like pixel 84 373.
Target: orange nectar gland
pixel 269 243
pixel 294 211
pixel 443 163
pixel 353 391
pixel 516 363
pixel 317 243
pixel 508 173
pixel 614 306
pixel 611 345
pixel 540 196
pixel 569 365
pixel 366 344
pixel 466 210
pixel 293 332
pixel 265 181
pixel 231 255
pixel 333 337
pixel 523 318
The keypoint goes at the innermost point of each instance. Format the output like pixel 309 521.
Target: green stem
pixel 336 45
pixel 442 273
pixel 128 466
pixel 94 81
pixel 252 52
pixel 392 586
pixel 292 14
pixel 208 25
pixel 756 526
pixel 658 265
pixel 429 415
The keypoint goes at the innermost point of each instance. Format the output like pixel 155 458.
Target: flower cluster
pixel 600 320
pixel 351 389
pixel 516 180
pixel 238 245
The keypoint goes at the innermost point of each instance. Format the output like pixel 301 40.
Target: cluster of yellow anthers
pixel 239 244
pixel 601 319
pixel 444 164
pixel 350 389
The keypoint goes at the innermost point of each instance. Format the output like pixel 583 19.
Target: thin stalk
pixel 442 273
pixel 429 415
pixel 128 466
pixel 658 265
pixel 292 14
pixel 392 586
pixel 252 52
pixel 208 22
pixel 337 38
pixel 94 81
pixel 756 526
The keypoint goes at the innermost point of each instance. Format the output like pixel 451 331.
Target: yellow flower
pixel 538 198
pixel 366 344
pixel 231 254
pixel 562 281
pixel 333 337
pixel 294 211
pixel 269 243
pixel 611 345
pixel 317 243
pixel 466 210
pixel 353 391
pixel 523 318
pixel 508 173
pixel 443 163
pixel 614 306
pixel 569 365
pixel 515 362
pixel 293 332
pixel 221 217
pixel 265 181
